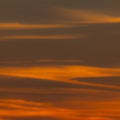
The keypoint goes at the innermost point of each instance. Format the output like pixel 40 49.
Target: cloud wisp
pixel 68 18
pixel 24 108
pixel 54 37
pixel 65 74
pixel 88 16
pixel 12 26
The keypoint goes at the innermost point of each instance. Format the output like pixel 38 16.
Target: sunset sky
pixel 59 59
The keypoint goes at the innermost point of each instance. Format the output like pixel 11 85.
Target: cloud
pixel 57 17
pixel 87 16
pixel 98 118
pixel 47 14
pixel 22 108
pixel 53 37
pixel 65 74
pixel 12 26
pixel 53 91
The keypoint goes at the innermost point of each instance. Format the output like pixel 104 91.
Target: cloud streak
pixel 88 16
pixel 47 52
pixel 32 26
pixel 24 108
pixel 54 37
pixel 21 108
pixel 64 74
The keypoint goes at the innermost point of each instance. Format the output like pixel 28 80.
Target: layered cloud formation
pixel 59 60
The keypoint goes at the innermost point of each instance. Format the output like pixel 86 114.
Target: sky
pixel 59 59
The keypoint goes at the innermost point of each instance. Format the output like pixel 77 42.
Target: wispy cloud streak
pixel 32 26
pixel 54 37
pixel 64 74
pixel 88 16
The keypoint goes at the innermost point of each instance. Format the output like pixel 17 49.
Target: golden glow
pixel 32 26
pixel 63 73
pixel 57 86
pixel 26 108
pixel 85 16
pixel 22 108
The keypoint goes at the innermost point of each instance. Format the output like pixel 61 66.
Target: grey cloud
pixel 102 80
pixel 100 48
pixel 56 99
pixel 110 7
pixel 9 82
pixel 44 11
pixel 25 11
pixel 26 83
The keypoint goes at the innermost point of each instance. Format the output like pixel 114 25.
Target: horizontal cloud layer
pixel 55 37
pixel 63 73
pixel 22 108
pixel 32 26
pixel 59 60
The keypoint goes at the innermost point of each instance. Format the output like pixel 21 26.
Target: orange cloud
pixel 32 26
pixel 53 37
pixel 98 118
pixel 87 16
pixel 63 73
pixel 23 108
